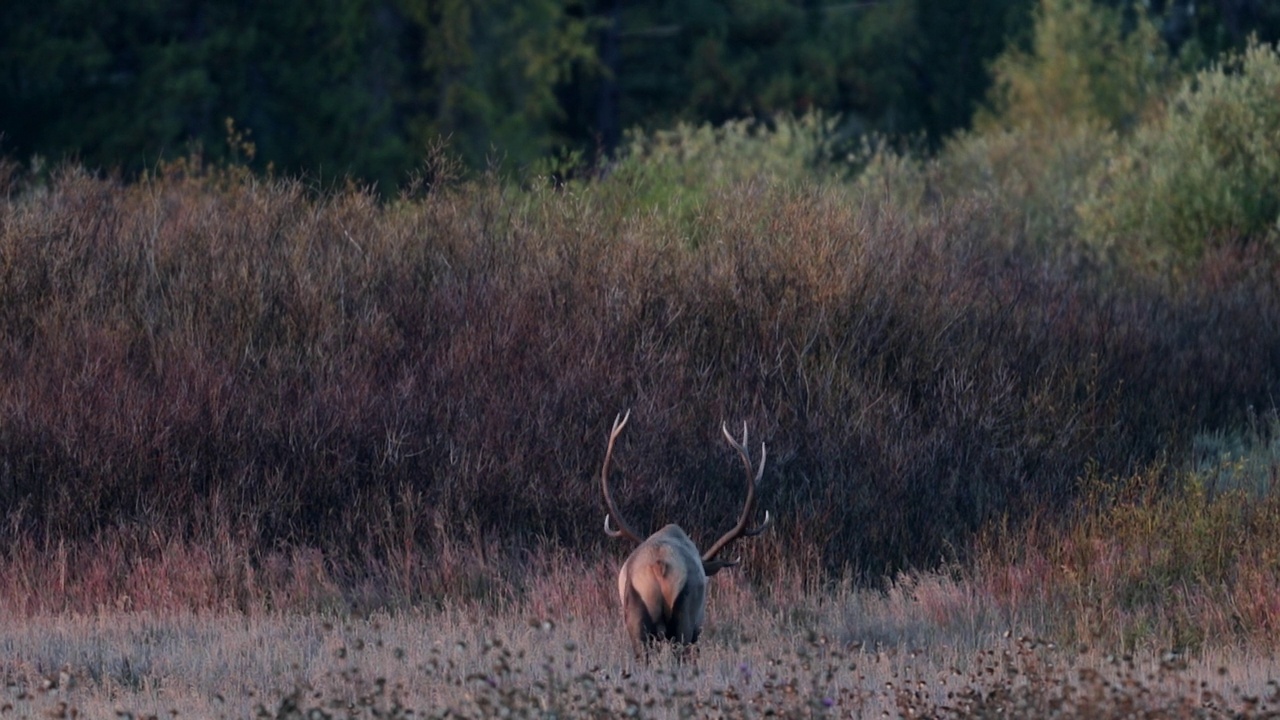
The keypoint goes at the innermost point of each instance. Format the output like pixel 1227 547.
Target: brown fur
pixel 663 588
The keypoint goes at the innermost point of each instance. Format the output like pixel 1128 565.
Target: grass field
pixel 927 649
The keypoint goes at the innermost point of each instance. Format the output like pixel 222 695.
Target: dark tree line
pixel 362 87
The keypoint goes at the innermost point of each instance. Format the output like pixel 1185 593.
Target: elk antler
pixel 624 530
pixel 709 564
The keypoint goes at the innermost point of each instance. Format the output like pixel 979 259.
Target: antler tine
pixel 742 450
pixel 739 530
pixel 623 529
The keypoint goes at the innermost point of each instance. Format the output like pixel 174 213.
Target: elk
pixel 663 583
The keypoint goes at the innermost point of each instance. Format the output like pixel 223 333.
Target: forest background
pixel 361 88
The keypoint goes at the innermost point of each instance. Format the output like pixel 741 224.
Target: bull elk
pixel 663 583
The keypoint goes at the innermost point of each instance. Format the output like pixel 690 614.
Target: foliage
pixel 145 79
pixel 1056 112
pixel 1030 179
pixel 1199 30
pixel 486 74
pixel 787 149
pixel 676 172
pixel 1201 176
pixel 1035 177
pixel 363 87
pixel 1142 564
pixel 1082 68
pixel 346 88
pixel 894 67
pixel 210 354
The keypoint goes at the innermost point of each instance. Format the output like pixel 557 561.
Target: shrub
pixel 421 388
pixel 1144 564
pixel 675 170
pixel 1203 175
pixel 1082 68
pixel 1034 177
pixel 1055 112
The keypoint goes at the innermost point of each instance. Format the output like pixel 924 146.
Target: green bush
pixel 1030 179
pixel 1055 111
pixel 1205 174
pixel 1035 177
pixel 1082 67
pixel 677 169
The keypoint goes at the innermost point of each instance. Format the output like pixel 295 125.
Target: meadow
pixel 928 648
pixel 290 446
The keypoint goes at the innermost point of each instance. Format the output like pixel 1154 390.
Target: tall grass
pixel 1142 565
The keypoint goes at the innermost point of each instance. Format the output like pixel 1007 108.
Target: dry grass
pixel 927 647
pixel 1142 565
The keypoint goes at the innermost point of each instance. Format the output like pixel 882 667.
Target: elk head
pixel 663 583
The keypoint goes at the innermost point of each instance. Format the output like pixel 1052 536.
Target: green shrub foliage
pixel 1204 175
pixel 1082 66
